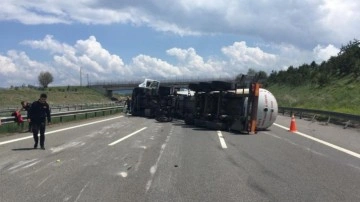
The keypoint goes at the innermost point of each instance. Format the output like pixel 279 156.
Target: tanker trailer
pixel 227 106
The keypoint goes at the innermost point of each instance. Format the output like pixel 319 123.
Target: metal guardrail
pixel 177 80
pixel 349 119
pixel 5 120
pixel 58 108
pixel 346 119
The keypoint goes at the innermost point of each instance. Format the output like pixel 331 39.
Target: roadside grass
pixel 341 95
pixel 11 128
pixel 11 98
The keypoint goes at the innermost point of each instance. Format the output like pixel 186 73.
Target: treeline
pixel 346 63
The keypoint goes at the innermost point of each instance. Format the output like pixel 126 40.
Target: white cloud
pixel 17 69
pixel 87 55
pixel 324 53
pixel 6 65
pixel 341 18
pixel 94 56
pixel 27 65
pixel 145 66
pixel 98 64
pixel 286 33
pixel 28 12
pixel 304 23
pixel 240 54
pixel 193 65
pixel 48 43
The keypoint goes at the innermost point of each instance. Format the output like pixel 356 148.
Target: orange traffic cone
pixel 293 124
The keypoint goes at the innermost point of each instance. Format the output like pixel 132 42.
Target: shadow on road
pixel 23 149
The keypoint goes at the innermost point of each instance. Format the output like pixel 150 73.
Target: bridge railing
pixel 177 80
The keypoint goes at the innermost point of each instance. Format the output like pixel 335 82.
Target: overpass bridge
pixel 107 87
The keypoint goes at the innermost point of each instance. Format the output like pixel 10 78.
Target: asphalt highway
pixel 125 158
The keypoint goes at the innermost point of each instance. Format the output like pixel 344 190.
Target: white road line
pixel 63 129
pixel 154 167
pixel 323 142
pixel 42 182
pixel 82 190
pixel 222 141
pixel 121 139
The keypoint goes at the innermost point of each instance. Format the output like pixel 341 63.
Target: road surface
pixel 124 158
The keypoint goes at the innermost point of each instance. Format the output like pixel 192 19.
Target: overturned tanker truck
pixel 215 105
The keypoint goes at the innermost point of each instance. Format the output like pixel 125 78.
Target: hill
pixel 56 96
pixel 339 95
pixel 333 85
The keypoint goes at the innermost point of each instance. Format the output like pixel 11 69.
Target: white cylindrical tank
pixel 267 109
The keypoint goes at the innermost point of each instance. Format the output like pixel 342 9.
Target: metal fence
pixel 74 114
pixel 329 116
pixel 5 112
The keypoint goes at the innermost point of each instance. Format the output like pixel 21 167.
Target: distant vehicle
pixel 151 84
pixel 215 105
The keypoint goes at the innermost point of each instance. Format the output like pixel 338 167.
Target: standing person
pixel 38 113
pixel 26 106
pixel 128 102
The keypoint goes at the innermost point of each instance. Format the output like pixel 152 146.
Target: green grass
pixel 10 128
pixel 11 98
pixel 56 96
pixel 342 95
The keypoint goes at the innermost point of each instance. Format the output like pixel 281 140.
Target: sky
pixel 90 41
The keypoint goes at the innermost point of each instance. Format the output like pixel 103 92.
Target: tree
pixel 261 75
pixel 251 72
pixel 240 78
pixel 357 69
pixel 45 78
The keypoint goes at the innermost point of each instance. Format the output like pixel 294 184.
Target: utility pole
pixel 80 77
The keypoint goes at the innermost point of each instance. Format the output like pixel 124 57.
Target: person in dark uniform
pixel 128 103
pixel 26 106
pixel 38 113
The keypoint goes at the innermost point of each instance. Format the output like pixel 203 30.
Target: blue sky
pixel 132 39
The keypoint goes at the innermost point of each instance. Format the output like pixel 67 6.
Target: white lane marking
pixel 140 159
pixel 21 163
pixel 66 146
pixel 222 141
pixel 31 164
pixel 78 197
pixel 121 139
pixel 63 129
pixel 351 165
pixel 154 167
pixel 323 142
pixel 289 141
pixel 42 182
